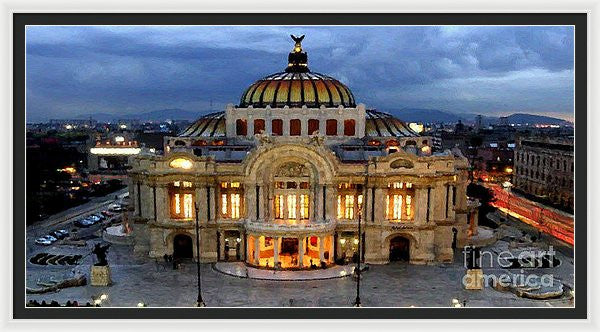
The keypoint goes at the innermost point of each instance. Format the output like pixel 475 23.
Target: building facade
pixel 282 179
pixel 545 168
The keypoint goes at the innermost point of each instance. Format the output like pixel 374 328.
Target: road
pixel 65 219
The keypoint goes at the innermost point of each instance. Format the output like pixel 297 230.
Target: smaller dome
pixel 380 124
pixel 209 125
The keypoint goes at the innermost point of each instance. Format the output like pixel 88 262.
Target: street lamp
pixel 199 301
pixel 360 206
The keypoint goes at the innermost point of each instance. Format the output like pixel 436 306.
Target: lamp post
pixel 199 301
pixel 357 302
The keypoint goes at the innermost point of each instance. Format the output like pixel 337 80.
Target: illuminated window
pixel 181 194
pixel 291 206
pixel 231 202
pixel 279 206
pixel 398 201
pixel 350 200
pixel 349 207
pixel 181 163
pixel 303 206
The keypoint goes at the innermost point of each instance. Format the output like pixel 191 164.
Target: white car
pixel 43 241
pixel 50 238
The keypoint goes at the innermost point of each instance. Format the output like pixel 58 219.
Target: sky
pixel 74 71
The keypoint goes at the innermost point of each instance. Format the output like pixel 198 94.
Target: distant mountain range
pixel 405 114
pixel 158 115
pixel 437 116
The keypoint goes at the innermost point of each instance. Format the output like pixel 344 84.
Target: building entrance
pixel 182 246
pixel 399 249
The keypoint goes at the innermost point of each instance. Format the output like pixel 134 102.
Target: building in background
pixel 544 170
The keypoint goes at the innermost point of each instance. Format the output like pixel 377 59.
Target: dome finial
pixel 297 59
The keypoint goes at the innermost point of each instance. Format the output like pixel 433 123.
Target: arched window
pixel 313 126
pixel 259 126
pixel 331 127
pixel 277 127
pixel 349 127
pixel 295 127
pixel 241 127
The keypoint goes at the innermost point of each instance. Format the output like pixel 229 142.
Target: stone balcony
pixel 290 227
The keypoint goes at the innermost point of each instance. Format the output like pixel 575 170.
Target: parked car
pixel 58 235
pixel 63 231
pixel 50 238
pixel 43 241
pixel 94 218
pixel 83 222
pixel 116 208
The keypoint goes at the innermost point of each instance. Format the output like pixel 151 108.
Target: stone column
pixel 162 203
pixel 379 207
pixel 250 201
pixel 331 202
pixel 221 245
pixel 213 201
pixel 437 203
pixel 301 242
pixel 318 208
pixel 201 203
pixel 331 248
pixel 261 202
pixel 276 251
pixel 321 248
pixel 420 205
pixel 250 127
pixel 256 249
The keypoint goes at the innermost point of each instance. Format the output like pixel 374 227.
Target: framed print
pixel 300 165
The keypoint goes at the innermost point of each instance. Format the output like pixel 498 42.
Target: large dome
pixel 297 89
pixel 297 86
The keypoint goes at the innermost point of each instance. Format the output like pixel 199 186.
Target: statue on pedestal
pixel 100 252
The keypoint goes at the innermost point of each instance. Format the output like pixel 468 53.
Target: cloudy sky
pixel 72 71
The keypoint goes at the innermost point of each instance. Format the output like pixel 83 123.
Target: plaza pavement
pixel 141 279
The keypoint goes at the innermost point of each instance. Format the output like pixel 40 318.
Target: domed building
pixel 283 178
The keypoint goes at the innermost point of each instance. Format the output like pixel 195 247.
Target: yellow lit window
pixel 177 183
pixel 279 206
pixel 408 207
pixel 349 213
pixel 303 206
pixel 234 185
pixel 187 206
pixel 224 204
pixel 291 206
pixel 235 206
pixel 340 214
pixel 187 184
pixel 177 204
pixel 224 185
pixel 181 163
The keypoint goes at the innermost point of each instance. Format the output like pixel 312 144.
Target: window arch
pixel 259 126
pixel 277 127
pixel 291 193
pixel 295 127
pixel 313 126
pixel 349 127
pixel 331 127
pixel 241 127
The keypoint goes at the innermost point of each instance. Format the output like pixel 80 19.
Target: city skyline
pixel 494 71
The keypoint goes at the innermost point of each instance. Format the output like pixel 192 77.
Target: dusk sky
pixel 75 71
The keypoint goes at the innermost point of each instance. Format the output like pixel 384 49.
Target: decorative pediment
pixel 292 170
pixel 402 163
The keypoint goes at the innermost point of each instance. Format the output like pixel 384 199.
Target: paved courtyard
pixel 140 279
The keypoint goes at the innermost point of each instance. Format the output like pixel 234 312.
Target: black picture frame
pixel 21 20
